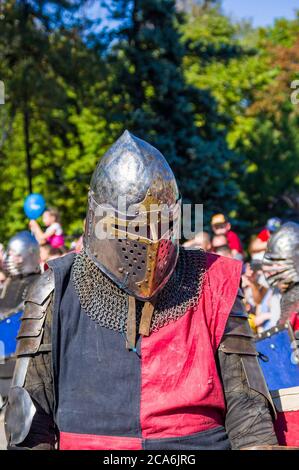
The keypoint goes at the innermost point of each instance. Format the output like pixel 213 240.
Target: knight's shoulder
pixel 41 288
pixel 223 263
pixel 37 305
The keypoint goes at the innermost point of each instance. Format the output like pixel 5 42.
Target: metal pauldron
pixel 36 304
pixel 20 410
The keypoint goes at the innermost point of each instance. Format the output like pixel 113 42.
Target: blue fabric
pixel 9 328
pixel 280 370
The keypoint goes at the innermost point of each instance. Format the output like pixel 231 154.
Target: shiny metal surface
pixel 42 288
pixel 133 217
pixel 20 371
pixel 19 415
pixel 22 256
pixel 130 168
pixel 281 260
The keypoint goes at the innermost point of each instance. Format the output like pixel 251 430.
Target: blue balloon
pixel 34 206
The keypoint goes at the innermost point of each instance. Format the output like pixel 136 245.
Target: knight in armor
pixel 281 268
pixel 21 265
pixel 135 342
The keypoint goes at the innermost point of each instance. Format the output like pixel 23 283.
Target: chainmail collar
pixel 105 303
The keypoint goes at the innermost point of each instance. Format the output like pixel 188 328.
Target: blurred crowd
pixel 51 240
pixel 262 302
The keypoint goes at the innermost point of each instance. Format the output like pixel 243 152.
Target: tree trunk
pixel 26 127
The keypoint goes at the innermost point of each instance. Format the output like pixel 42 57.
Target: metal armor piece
pixel 20 410
pixel 22 256
pixel 19 415
pixel 110 309
pixel 36 304
pixel 133 217
pixel 281 260
pixel 239 339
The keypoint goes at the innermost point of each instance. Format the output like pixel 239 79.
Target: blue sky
pixel 262 12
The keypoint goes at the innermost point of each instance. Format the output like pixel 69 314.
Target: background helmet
pixel 22 256
pixel 281 260
pixel 133 218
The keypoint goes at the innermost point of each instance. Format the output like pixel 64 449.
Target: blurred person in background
pixel 250 279
pixel 1 254
pixel 221 226
pixel 258 243
pixel 220 246
pixel 21 264
pixel 255 249
pixel 270 306
pixel 22 267
pixel 78 245
pixel 260 300
pixel 53 234
pixel 201 240
pixel 44 253
pixel 2 280
pixel 47 253
pixel 55 253
pixel 264 301
pixel 281 268
pixel 264 235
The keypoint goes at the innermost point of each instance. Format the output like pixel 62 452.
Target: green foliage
pixel 155 102
pixel 244 86
pixel 51 77
pixel 211 94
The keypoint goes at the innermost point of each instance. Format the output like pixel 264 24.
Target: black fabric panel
pixel 97 380
pixel 214 439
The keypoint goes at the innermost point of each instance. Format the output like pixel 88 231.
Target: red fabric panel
pixel 264 235
pixel 294 320
pixel 287 428
pixel 181 392
pixel 72 441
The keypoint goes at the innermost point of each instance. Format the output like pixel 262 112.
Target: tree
pixel 189 5
pixel 273 152
pixel 252 88
pixel 52 69
pixel 153 100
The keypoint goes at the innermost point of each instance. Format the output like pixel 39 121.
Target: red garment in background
pixel 264 235
pixel 287 422
pixel 234 241
pixel 294 320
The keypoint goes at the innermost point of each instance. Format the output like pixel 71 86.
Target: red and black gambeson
pixel 167 395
